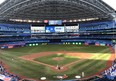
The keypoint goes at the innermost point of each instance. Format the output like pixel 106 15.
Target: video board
pixel 72 28
pixel 53 29
pixel 55 22
pixel 59 29
pixel 50 29
pixel 37 29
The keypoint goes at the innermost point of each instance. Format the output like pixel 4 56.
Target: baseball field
pixel 51 61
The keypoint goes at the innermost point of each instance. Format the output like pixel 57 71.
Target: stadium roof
pixel 54 9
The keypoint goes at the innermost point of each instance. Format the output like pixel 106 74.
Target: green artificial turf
pixel 33 70
pixel 65 59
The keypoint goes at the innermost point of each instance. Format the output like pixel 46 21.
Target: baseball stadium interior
pixel 28 27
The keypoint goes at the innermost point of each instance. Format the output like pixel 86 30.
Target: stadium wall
pixel 88 33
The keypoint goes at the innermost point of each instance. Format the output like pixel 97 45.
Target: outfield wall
pixel 63 42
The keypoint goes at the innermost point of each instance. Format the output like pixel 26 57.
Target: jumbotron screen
pixel 50 29
pixel 55 22
pixel 54 29
pixel 37 29
pixel 72 28
pixel 59 29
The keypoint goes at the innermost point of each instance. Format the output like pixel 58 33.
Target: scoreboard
pixel 54 29
pixel 55 22
pixel 37 29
